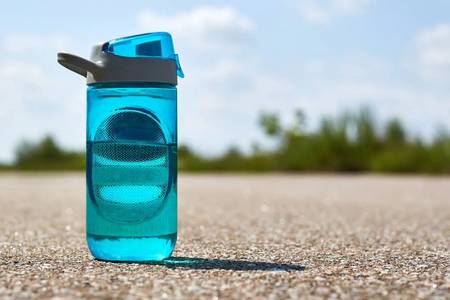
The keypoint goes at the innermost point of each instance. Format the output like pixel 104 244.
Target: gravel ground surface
pixel 240 237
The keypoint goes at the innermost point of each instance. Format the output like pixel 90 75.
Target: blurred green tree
pixel 47 155
pixel 270 124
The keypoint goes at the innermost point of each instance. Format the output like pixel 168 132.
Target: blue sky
pixel 240 58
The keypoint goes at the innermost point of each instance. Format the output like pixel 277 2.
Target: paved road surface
pixel 240 237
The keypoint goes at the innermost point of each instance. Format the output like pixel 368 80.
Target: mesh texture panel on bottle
pixel 130 167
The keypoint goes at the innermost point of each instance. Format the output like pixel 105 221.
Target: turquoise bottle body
pixel 131 146
pixel 131 171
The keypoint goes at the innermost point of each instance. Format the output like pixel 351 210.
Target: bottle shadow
pixel 227 264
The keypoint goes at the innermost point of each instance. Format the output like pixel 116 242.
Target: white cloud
pixel 37 97
pixel 32 43
pixel 204 29
pixel 327 87
pixel 350 6
pixel 433 46
pixel 320 12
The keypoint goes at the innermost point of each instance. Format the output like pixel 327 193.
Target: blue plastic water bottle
pixel 131 141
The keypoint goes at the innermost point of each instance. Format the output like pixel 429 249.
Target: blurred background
pixel 290 85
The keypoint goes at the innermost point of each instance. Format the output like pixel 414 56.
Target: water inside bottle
pixel 129 181
pixel 131 193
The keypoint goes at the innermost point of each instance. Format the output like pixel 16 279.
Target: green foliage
pixel 270 124
pixel 395 134
pixel 47 155
pixel 351 142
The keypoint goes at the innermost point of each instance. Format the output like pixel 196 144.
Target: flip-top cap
pixel 141 58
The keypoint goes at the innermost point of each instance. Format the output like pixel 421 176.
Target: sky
pixel 240 58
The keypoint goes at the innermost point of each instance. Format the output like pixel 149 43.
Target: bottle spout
pixel 78 64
